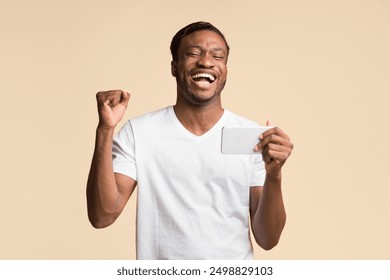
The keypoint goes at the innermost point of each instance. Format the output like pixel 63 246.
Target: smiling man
pixel 193 201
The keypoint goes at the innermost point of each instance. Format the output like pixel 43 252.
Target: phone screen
pixel 241 140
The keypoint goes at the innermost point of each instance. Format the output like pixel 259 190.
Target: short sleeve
pixel 258 172
pixel 123 152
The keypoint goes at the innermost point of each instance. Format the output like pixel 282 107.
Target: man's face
pixel 201 67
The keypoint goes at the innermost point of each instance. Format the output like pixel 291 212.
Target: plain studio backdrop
pixel 318 69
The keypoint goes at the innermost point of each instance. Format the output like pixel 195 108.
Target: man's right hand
pixel 112 105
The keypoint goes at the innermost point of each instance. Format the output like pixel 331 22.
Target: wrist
pixel 104 129
pixel 275 177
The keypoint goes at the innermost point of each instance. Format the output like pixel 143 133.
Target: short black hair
pixel 192 27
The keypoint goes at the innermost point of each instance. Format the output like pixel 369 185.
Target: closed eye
pixel 193 54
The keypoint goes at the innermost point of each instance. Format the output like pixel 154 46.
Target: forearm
pixel 270 217
pixel 102 190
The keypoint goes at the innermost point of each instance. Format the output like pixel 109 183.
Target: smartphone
pixel 241 140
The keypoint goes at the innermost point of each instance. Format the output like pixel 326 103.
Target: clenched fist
pixel 112 105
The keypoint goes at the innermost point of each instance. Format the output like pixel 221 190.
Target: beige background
pixel 318 69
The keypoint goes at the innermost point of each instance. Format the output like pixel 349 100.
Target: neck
pixel 198 119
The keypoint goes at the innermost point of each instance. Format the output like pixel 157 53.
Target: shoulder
pixel 152 122
pixel 146 120
pixel 160 114
pixel 151 119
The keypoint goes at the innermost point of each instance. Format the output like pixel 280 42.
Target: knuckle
pixel 101 94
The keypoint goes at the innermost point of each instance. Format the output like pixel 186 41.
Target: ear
pixel 173 68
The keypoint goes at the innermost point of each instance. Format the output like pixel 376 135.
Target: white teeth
pixel 204 75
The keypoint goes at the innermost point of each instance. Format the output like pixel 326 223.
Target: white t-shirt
pixel 193 201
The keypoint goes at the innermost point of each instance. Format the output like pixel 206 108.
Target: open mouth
pixel 203 78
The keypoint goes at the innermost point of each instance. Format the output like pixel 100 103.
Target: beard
pixel 194 98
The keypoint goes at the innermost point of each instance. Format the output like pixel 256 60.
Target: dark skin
pixel 267 212
pixel 198 104
pixel 200 73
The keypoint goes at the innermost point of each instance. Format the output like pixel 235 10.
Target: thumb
pixel 268 123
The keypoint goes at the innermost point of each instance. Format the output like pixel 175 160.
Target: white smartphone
pixel 241 140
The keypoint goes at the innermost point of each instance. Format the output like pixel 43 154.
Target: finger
pixel 278 148
pixel 124 98
pixel 275 144
pixel 109 98
pixel 114 97
pixel 270 148
pixel 266 156
pixel 258 147
pixel 275 130
pixel 283 140
pixel 275 139
pixel 279 157
pixel 286 151
pixel 268 123
pixel 103 96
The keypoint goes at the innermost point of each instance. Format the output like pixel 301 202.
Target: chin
pixel 201 100
pixel 199 97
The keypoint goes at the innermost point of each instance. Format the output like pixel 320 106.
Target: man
pixel 193 201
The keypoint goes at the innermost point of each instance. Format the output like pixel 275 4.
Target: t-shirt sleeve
pixel 258 172
pixel 123 152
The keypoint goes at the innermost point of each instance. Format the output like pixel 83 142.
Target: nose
pixel 205 61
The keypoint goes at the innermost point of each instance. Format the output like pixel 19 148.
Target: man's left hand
pixel 276 148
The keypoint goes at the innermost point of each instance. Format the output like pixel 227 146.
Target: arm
pixel 107 192
pixel 267 212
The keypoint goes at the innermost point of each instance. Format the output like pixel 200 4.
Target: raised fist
pixel 112 105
